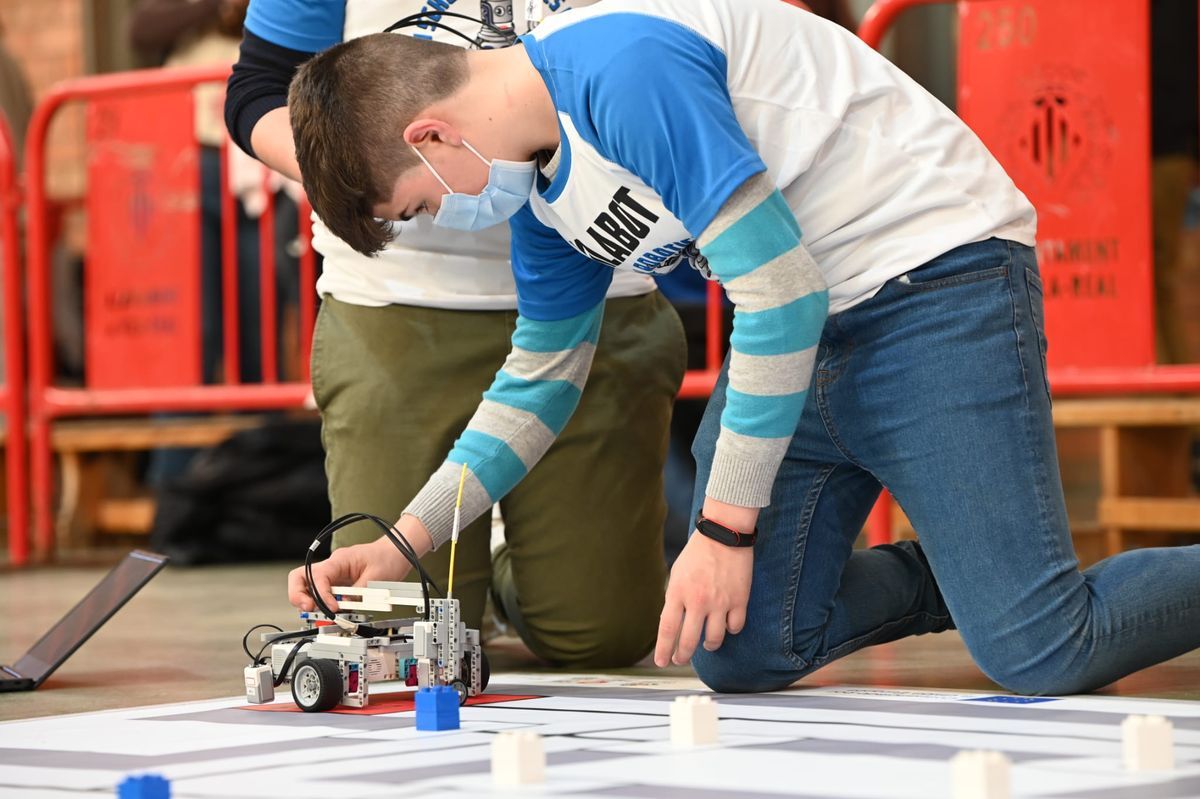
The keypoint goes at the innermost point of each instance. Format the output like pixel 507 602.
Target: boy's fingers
pixel 736 620
pixel 298 590
pixel 668 632
pixel 714 632
pixel 689 636
pixel 324 585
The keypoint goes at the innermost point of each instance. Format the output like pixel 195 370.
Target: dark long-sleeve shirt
pixel 258 84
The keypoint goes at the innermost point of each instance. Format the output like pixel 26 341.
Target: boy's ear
pixel 427 129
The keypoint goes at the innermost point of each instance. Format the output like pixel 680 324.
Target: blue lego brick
pixel 437 708
pixel 144 786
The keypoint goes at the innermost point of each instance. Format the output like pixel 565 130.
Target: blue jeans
pixel 936 388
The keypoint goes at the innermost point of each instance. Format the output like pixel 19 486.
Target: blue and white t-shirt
pixel 758 142
pixel 667 106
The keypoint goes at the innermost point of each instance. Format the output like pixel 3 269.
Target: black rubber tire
pixel 463 691
pixel 317 685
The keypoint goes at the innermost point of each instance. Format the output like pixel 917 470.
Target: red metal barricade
pixel 1069 121
pixel 48 402
pixel 142 284
pixel 1021 57
pixel 12 391
pixel 698 383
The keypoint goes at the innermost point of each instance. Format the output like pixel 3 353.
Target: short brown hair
pixel 349 107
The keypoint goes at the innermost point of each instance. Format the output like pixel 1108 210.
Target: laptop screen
pixel 125 580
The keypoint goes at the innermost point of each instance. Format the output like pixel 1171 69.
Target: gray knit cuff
pixel 434 504
pixel 744 475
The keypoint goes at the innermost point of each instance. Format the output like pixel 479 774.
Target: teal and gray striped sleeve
pixel 528 404
pixel 780 305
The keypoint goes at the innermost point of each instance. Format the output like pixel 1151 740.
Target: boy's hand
pixel 358 565
pixel 709 581
pixel 379 560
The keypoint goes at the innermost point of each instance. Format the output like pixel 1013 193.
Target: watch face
pixel 723 534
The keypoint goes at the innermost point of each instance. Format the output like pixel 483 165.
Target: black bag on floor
pixel 260 495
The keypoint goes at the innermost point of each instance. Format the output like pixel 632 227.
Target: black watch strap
pixel 722 534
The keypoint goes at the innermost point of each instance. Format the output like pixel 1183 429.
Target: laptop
pixel 109 596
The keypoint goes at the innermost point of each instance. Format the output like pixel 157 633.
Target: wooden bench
pixel 95 497
pixel 1145 462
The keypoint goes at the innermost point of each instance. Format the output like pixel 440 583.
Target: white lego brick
pixel 351 604
pixel 1148 743
pixel 367 593
pixel 423 645
pixel 981 775
pixel 693 721
pixel 398 591
pixel 518 758
pixel 374 599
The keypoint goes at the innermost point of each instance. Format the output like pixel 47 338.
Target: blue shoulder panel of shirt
pixel 554 281
pixel 651 95
pixel 306 25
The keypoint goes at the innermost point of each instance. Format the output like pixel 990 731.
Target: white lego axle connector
pixel 981 775
pixel 693 721
pixel 518 759
pixel 1148 743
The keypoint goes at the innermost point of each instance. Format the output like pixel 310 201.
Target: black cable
pixel 246 637
pixel 432 18
pixel 287 663
pixel 393 535
pixel 259 660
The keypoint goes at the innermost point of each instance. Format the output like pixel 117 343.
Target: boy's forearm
pixel 780 304
pixel 414 532
pixel 273 144
pixel 526 407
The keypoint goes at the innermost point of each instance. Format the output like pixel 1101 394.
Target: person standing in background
pixel 16 100
pixel 1175 137
pixel 405 344
pixel 193 33
pixel 1175 143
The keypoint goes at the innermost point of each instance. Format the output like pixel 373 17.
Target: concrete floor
pixel 180 639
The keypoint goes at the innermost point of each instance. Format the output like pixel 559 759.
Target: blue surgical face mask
pixel 508 188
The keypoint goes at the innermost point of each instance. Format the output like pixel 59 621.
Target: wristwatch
pixel 722 534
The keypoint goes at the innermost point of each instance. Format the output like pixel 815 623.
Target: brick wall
pixel 47 38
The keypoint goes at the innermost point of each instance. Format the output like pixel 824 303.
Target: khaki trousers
pixel 582 576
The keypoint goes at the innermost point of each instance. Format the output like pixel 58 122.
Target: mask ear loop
pixel 467 144
pixel 429 166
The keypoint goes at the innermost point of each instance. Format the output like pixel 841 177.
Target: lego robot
pixel 333 660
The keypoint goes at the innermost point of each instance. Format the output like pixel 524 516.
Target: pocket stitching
pixel 1034 280
pixel 992 273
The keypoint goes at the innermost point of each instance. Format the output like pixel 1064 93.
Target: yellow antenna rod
pixel 462 479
